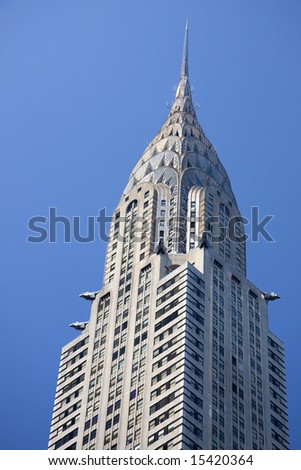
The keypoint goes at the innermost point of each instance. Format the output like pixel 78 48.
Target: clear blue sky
pixel 83 88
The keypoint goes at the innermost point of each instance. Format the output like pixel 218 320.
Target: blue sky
pixel 83 89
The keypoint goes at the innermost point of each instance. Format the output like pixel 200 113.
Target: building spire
pixel 184 68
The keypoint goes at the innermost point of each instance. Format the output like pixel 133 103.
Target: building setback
pixel 177 353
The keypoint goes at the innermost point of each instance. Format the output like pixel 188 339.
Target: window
pixel 66 438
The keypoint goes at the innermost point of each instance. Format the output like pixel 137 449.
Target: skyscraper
pixel 177 353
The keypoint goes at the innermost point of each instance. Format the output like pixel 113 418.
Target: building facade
pixel 177 353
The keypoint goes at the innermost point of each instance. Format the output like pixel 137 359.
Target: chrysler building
pixel 177 352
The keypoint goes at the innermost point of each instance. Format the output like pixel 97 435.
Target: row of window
pixel 162 432
pixel 75 348
pixel 139 360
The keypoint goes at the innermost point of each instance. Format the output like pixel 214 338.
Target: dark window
pixel 66 438
pixel 160 404
pixel 116 419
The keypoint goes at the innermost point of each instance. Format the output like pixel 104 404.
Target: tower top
pixel 184 68
pixel 180 155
